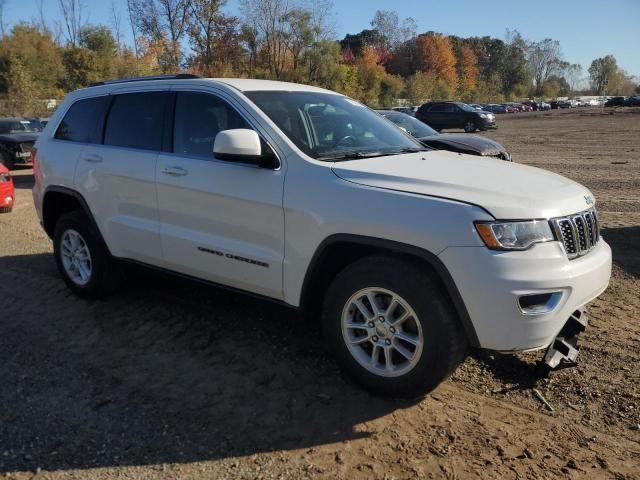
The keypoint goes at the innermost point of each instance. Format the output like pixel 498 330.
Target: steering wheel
pixel 350 138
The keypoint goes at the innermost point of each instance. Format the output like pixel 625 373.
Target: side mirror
pixel 244 145
pixel 239 144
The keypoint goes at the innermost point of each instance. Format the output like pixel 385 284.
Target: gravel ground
pixel 171 379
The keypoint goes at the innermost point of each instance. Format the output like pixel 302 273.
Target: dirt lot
pixel 171 379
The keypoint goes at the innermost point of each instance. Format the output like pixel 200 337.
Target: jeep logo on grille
pixel 588 199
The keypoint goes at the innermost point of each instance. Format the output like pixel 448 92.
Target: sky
pixel 586 29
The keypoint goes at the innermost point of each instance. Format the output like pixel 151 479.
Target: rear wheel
pixel 470 126
pixel 391 327
pixel 84 263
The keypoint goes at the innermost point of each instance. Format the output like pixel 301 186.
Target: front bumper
pixel 491 282
pixel 7 195
pixel 486 124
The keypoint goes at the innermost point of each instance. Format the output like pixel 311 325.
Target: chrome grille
pixel 578 233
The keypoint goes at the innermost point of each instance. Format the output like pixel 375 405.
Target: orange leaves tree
pixel 436 57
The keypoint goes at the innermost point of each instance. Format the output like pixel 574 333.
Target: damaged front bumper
pixel 563 351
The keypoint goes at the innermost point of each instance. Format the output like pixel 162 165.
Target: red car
pixel 7 190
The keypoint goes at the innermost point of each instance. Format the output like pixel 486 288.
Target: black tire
pixel 6 160
pixel 470 126
pixel 6 209
pixel 103 278
pixel 445 343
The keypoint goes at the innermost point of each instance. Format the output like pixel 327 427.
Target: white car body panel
pixel 472 179
pixel 245 217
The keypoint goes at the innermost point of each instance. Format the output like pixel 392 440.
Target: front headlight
pixel 514 235
pixel 483 115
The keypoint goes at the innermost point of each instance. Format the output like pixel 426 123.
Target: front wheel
pixel 470 126
pixel 391 327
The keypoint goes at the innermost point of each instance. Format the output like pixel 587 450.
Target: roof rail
pixel 179 76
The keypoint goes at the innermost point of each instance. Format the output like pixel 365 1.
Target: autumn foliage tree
pixel 467 72
pixel 435 56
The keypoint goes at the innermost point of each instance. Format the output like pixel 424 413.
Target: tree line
pixel 290 40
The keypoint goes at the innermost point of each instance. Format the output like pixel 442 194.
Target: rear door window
pixel 438 108
pixel 136 121
pixel 83 121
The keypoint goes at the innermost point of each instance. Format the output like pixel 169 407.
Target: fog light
pixel 539 303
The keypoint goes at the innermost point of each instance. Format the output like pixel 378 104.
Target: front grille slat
pixel 578 233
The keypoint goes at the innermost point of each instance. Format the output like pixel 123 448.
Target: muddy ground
pixel 171 379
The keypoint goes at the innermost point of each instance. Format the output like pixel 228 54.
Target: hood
pixel 507 190
pixel 19 137
pixel 467 142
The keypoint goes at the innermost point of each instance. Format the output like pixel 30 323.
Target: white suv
pixel 306 197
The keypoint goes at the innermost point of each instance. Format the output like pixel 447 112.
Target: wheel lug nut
pixel 381 319
pixel 374 338
pixel 387 341
pixel 371 325
pixel 392 330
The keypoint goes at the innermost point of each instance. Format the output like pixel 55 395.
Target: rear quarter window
pixel 83 120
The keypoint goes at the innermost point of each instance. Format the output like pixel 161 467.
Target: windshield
pixel 466 107
pixel 327 126
pixel 15 126
pixel 411 124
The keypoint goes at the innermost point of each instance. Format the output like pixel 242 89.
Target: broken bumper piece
pixel 563 351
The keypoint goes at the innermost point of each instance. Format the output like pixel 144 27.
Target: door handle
pixel 92 158
pixel 175 171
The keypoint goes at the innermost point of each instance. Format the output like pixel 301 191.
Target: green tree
pixel 391 87
pixel 544 59
pixel 601 72
pixel 513 65
pixel 419 87
pixel 99 40
pixel 82 67
pixel 22 93
pixel 322 63
pixel 38 54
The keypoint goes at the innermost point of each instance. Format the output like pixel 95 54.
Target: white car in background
pixel 308 198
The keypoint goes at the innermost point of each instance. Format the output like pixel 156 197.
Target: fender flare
pixel 83 203
pixel 403 248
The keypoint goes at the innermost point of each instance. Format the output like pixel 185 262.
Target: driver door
pixel 220 220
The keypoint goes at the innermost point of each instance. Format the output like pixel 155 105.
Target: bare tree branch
pixel 74 19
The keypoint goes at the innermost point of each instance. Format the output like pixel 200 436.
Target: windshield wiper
pixel 412 150
pixel 355 155
pixel 370 154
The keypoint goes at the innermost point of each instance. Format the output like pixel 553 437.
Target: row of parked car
pixel 17 138
pixel 538 105
pixel 623 102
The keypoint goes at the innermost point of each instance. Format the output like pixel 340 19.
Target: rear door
pixel 437 117
pixel 220 220
pixel 452 116
pixel 117 177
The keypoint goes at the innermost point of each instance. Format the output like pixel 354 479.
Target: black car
pixel 634 101
pixel 441 115
pixel 616 102
pixel 454 142
pixel 17 137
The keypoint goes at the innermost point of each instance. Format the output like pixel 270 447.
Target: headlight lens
pixel 4 177
pixel 483 115
pixel 514 235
